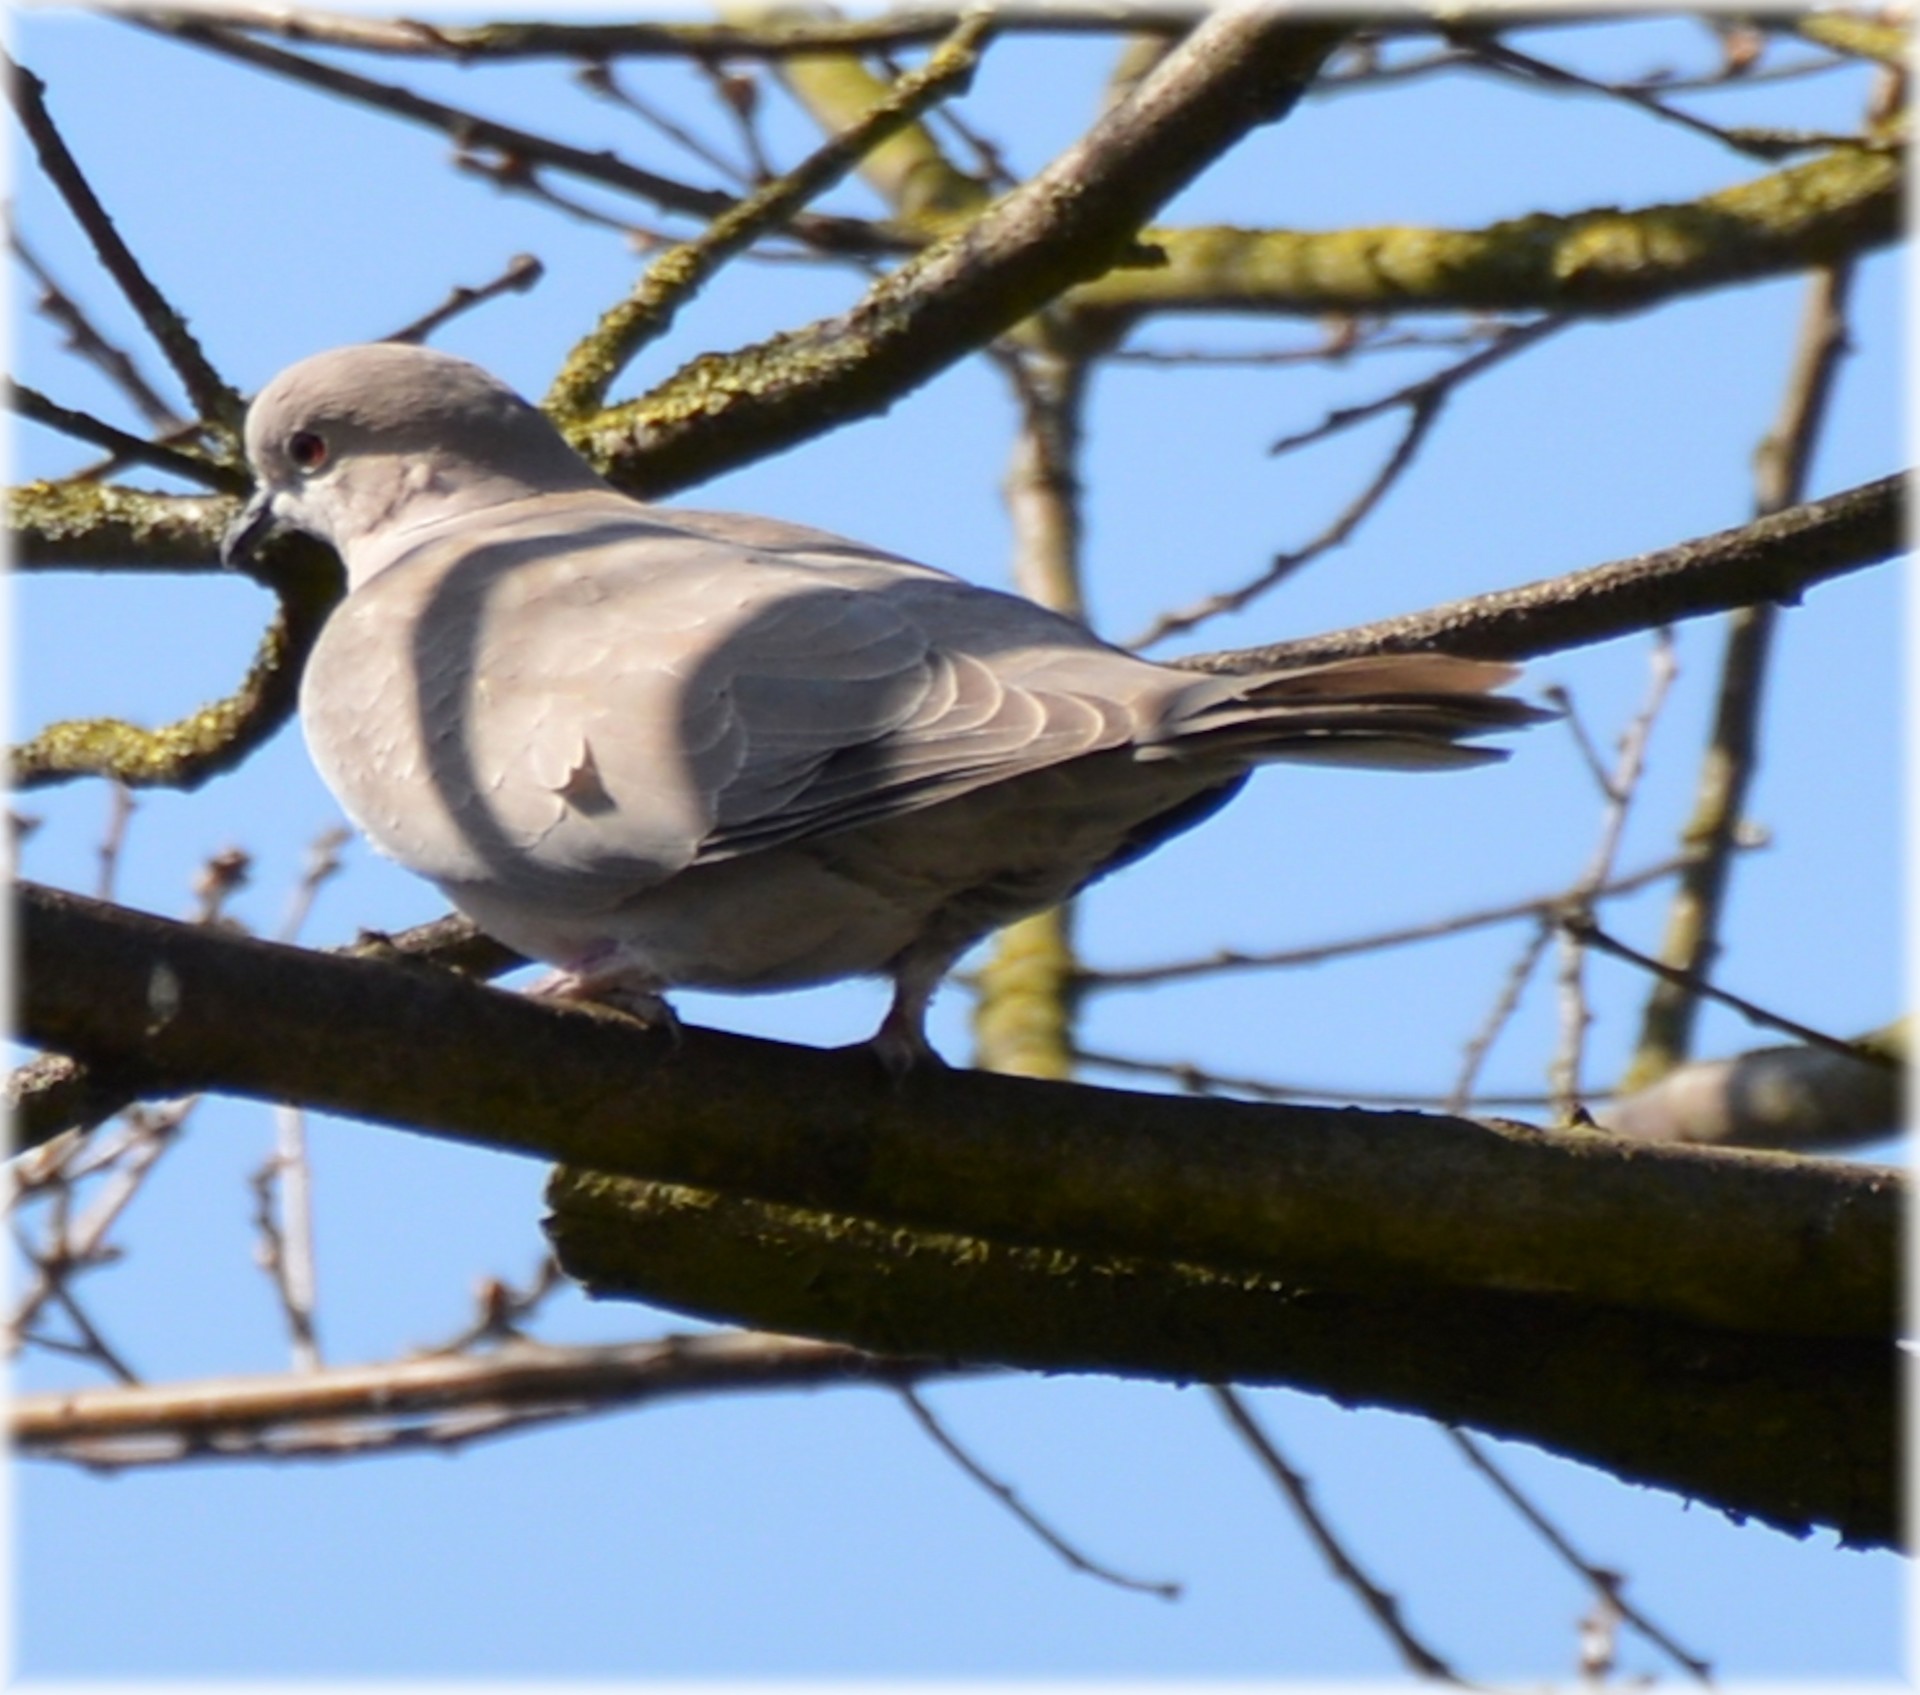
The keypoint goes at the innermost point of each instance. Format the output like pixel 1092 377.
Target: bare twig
pixel 438 1401
pixel 503 1310
pixel 80 1243
pixel 471 131
pixel 1512 987
pixel 1621 784
pixel 1582 926
pixel 1691 941
pixel 215 401
pixel 85 339
pixel 1004 1494
pixel 1755 143
pixel 1227 959
pixel 1381 1607
pixel 285 1247
pixel 1610 1586
pixel 522 272
pixel 83 426
pixel 121 807
pixel 1198 1080
pixel 1422 415
pixel 598 77
pixel 1342 342
pixel 1423 401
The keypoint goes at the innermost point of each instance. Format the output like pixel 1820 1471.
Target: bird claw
pixel 610 992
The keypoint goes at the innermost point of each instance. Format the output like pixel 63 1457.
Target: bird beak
pixel 244 535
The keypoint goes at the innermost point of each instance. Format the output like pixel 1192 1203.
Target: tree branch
pixel 1793 1430
pixel 1243 66
pixel 183 755
pixel 1600 261
pixel 331 1413
pixel 1342 1199
pixel 1776 558
pixel 1570 1280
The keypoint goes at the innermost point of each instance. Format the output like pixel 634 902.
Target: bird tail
pixel 1403 712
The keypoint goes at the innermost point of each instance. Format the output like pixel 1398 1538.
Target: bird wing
pixel 621 693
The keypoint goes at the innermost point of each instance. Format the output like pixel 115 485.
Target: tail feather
pixel 1410 712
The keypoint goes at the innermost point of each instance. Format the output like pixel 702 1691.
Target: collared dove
pixel 657 747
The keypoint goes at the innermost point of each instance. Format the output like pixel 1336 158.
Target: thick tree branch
pixel 1343 1199
pixel 1795 1430
pixel 1575 1289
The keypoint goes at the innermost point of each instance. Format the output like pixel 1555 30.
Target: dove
pixel 661 748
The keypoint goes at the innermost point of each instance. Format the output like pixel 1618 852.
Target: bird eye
pixel 306 450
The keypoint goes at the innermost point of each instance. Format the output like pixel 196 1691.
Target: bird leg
pixel 900 1044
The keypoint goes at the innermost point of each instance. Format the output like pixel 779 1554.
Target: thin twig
pixel 522 272
pixel 1422 414
pixel 285 1247
pixel 1198 1080
pixel 30 403
pixel 78 1244
pixel 503 1310
pixel 1621 785
pixel 1383 1608
pixel 673 278
pixel 1004 1494
pixel 1480 1043
pixel 1608 1584
pixel 1510 341
pixel 92 1344
pixel 598 78
pixel 1535 906
pixel 215 401
pixel 121 807
pixel 471 130
pixel 1423 401
pixel 1755 143
pixel 1334 348
pixel 1582 927
pixel 85 339
pixel 440 1401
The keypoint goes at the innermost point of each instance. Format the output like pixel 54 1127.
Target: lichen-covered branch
pixel 1606 260
pixel 85 526
pixel 184 754
pixel 908 170
pixel 1793 1430
pixel 671 280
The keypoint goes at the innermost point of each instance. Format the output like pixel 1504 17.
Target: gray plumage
pixel 659 747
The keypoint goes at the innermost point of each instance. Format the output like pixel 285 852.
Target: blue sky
pixel 821 1534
